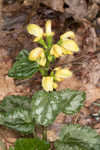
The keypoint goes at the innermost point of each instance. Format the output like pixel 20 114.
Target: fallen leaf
pixel 77 8
pixel 55 4
pixel 11 139
pixel 71 83
pixel 92 92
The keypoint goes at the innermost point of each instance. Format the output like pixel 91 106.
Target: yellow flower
pixel 70 46
pixel 35 30
pixel 57 50
pixel 62 73
pixel 65 52
pixel 48 83
pixel 48 29
pixel 38 55
pixel 67 35
pixel 41 61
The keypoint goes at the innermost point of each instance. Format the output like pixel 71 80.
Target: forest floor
pixel 85 65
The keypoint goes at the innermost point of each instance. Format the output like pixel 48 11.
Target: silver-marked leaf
pixel 75 137
pixel 23 69
pixel 47 105
pixel 12 102
pixel 15 113
pixel 72 101
pixel 20 120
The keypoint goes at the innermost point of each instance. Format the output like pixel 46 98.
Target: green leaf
pixel 71 101
pixel 19 119
pixel 47 105
pixel 23 68
pixel 22 54
pixel 19 112
pixel 12 102
pixel 31 144
pixel 15 113
pixel 75 137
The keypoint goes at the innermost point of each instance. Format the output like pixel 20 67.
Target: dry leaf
pixel 55 4
pixel 77 8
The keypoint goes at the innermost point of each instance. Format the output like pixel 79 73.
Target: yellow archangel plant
pixel 46 56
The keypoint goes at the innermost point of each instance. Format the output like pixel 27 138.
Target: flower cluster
pixel 46 55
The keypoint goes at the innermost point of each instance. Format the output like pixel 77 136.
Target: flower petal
pixel 48 29
pixel 35 53
pixel 67 35
pixel 47 83
pixel 38 55
pixel 35 30
pixel 41 61
pixel 56 50
pixel 70 45
pixel 62 73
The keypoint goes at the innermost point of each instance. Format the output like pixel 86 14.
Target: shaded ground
pixel 85 65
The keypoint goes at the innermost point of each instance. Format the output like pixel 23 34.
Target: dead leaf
pixel 11 139
pixel 96 1
pixel 97 126
pixel 55 4
pixel 60 118
pixel 77 8
pixel 93 11
pixel 54 129
pixel 92 94
pixel 72 83
pixel 7 85
pixel 51 135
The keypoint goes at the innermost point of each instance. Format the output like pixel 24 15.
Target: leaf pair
pixel 21 113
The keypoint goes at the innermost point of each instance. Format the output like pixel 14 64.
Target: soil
pixel 14 17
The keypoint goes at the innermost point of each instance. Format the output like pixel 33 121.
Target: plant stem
pixel 42 42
